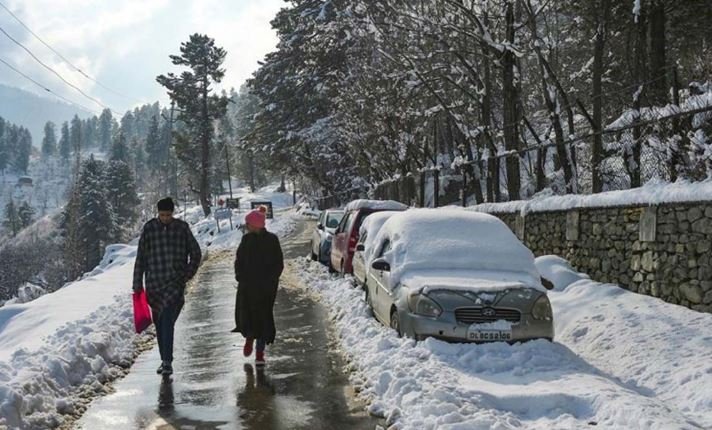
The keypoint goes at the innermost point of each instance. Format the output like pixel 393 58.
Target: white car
pixel 364 248
pixel 456 275
pixel 324 233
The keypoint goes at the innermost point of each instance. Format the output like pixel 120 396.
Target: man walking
pixel 258 266
pixel 169 256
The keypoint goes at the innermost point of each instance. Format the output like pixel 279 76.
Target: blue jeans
pixel 261 344
pixel 165 322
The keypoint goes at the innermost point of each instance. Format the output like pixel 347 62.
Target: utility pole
pixel 227 164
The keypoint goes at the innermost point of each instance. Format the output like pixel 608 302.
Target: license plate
pixel 489 335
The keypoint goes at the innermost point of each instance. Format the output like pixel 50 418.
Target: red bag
pixel 142 312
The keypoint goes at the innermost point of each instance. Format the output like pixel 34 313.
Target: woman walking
pixel 258 266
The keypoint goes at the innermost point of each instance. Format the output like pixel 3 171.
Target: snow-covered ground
pixel 66 344
pixel 620 361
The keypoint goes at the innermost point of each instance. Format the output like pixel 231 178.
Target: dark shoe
pixel 167 369
pixel 260 358
pixel 159 371
pixel 247 349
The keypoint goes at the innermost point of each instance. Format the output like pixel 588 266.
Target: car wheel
pixel 395 323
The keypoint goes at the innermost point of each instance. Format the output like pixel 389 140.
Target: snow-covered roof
pixel 454 239
pixel 390 205
pixel 652 193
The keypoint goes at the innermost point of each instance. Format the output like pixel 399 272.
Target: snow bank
pixel 436 385
pixel 660 350
pixel 453 239
pixel 386 205
pixel 558 271
pixel 652 193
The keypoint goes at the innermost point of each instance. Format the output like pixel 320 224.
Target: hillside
pixel 33 111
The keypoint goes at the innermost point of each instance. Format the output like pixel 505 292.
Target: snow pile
pixel 370 228
pixel 384 205
pixel 558 271
pixel 652 193
pixel 63 343
pixel 657 349
pixel 534 385
pixel 453 239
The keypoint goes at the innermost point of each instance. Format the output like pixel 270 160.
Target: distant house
pixel 24 182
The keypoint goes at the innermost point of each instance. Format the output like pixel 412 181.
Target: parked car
pixel 347 234
pixel 323 233
pixel 364 248
pixel 456 275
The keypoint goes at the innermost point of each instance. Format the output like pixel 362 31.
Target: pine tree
pixel 12 219
pixel 106 124
pixel 26 214
pixel 89 220
pixel 153 147
pixel 121 192
pixel 49 142
pixel 3 146
pixel 75 138
pixel 198 108
pixel 23 150
pixel 65 145
pixel 119 149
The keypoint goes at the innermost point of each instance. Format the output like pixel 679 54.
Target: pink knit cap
pixel 256 218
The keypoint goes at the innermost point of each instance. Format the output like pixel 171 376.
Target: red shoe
pixel 260 358
pixel 247 349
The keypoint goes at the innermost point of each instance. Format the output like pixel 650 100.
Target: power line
pixel 96 81
pixel 55 72
pixel 47 89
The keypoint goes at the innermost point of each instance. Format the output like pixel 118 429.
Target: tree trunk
pixel 597 99
pixel 657 92
pixel 639 75
pixel 510 114
pixel 205 153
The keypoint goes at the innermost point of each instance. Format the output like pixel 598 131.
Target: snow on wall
pixel 653 193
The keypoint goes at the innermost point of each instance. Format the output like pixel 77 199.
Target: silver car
pixel 440 297
pixel 324 233
pixel 364 248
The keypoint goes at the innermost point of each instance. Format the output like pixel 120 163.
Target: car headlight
pixel 423 305
pixel 542 309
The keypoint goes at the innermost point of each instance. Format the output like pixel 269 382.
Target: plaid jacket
pixel 169 256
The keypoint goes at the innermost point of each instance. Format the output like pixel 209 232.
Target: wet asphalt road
pixel 215 387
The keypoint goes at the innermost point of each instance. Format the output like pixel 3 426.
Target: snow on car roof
pixel 453 239
pixel 373 224
pixel 376 204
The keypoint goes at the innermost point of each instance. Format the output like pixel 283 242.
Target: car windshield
pixel 333 219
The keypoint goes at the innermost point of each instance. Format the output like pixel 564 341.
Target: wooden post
pixel 464 187
pixel 436 188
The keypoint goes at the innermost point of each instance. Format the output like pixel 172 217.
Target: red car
pixel 346 236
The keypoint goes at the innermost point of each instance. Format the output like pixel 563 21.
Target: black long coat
pixel 258 266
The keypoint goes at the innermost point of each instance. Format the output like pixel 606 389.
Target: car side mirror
pixel 360 247
pixel 381 264
pixel 320 227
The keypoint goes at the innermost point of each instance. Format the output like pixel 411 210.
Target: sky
pixel 125 44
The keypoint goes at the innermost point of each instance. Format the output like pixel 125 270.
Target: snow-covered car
pixel 456 275
pixel 346 235
pixel 324 233
pixel 364 248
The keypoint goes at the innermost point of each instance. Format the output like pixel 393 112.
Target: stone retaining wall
pixel 663 251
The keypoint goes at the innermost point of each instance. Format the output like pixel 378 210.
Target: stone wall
pixel 663 251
